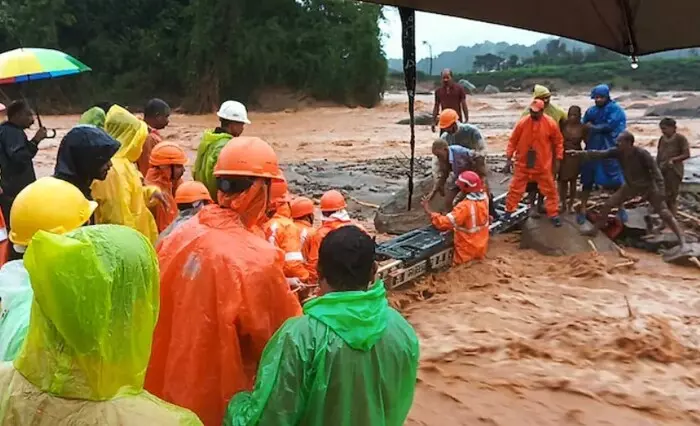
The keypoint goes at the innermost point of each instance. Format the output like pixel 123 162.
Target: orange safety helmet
pixel 279 192
pixel 469 182
pixel 302 207
pixel 248 156
pixel 448 117
pixel 191 191
pixel 332 201
pixel 167 154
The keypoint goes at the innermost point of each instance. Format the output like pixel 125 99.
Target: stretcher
pixel 427 250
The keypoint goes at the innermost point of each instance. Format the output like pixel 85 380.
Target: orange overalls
pixel 470 221
pixel 542 137
pixel 307 232
pixel 283 233
pixel 313 244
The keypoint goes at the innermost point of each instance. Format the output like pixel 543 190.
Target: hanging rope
pixel 408 42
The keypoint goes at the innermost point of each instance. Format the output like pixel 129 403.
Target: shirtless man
pixel 672 151
pixel 574 134
pixel 642 177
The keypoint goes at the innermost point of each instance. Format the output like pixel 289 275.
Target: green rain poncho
pixel 95 116
pixel 207 155
pixel 96 299
pixel 350 360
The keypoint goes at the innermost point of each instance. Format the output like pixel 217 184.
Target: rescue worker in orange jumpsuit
pixel 223 291
pixel 303 215
pixel 469 219
pixel 532 142
pixel 333 217
pixel 281 231
pixel 167 162
pixel 190 197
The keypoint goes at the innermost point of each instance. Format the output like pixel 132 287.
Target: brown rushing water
pixel 520 338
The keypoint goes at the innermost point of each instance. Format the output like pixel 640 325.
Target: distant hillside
pixel 462 59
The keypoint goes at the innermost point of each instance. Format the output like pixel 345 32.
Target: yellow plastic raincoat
pixel 122 197
pixel 555 111
pixel 96 299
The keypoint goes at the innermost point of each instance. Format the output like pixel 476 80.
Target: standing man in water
pixel 17 153
pixel 604 122
pixel 450 95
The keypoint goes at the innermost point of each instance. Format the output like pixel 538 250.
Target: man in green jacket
pixel 233 117
pixel 349 360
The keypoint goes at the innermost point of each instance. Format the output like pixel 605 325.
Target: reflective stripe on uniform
pixel 293 256
pixel 272 239
pixel 3 234
pixel 470 230
pixel 304 235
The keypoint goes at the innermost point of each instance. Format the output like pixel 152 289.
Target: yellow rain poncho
pixel 122 198
pixel 96 300
pixel 554 111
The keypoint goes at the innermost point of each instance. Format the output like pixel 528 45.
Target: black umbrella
pixel 630 27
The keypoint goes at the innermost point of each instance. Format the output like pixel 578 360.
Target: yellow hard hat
pixel 51 205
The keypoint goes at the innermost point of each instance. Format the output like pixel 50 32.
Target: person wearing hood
pixel 349 360
pixel 190 197
pixel 156 114
pixel 51 205
pixel 604 122
pixel 122 197
pixel 84 358
pixel 233 117
pixel 281 232
pixel 223 290
pixel 168 162
pixel 96 115
pixel 333 216
pixel 85 155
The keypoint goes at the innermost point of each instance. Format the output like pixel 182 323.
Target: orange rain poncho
pixel 470 222
pixel 223 296
pixel 84 359
pixel 313 243
pixel 165 154
pixel 281 231
pixel 122 198
pixel 544 138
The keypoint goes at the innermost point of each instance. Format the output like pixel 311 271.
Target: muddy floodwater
pixel 520 338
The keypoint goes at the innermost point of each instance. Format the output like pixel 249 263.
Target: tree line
pixel 556 52
pixel 194 53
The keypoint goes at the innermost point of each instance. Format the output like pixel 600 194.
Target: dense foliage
pixel 657 75
pixel 195 53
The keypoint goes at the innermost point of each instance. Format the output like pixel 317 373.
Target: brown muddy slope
pixel 524 339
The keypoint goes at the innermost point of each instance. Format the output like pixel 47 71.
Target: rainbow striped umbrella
pixel 31 64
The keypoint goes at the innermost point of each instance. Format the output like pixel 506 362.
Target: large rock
pixel 393 216
pixel 468 86
pixel 421 119
pixel 689 107
pixel 543 237
pixel 636 96
pixel 491 90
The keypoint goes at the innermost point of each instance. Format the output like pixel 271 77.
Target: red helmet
pixel 469 182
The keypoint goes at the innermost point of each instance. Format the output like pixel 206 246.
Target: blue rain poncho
pixel 350 360
pixel 607 123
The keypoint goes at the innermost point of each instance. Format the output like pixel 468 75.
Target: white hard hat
pixel 233 111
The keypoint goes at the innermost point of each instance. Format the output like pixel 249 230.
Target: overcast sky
pixel 446 33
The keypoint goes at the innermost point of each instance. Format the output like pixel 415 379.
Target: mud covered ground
pixel 520 338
